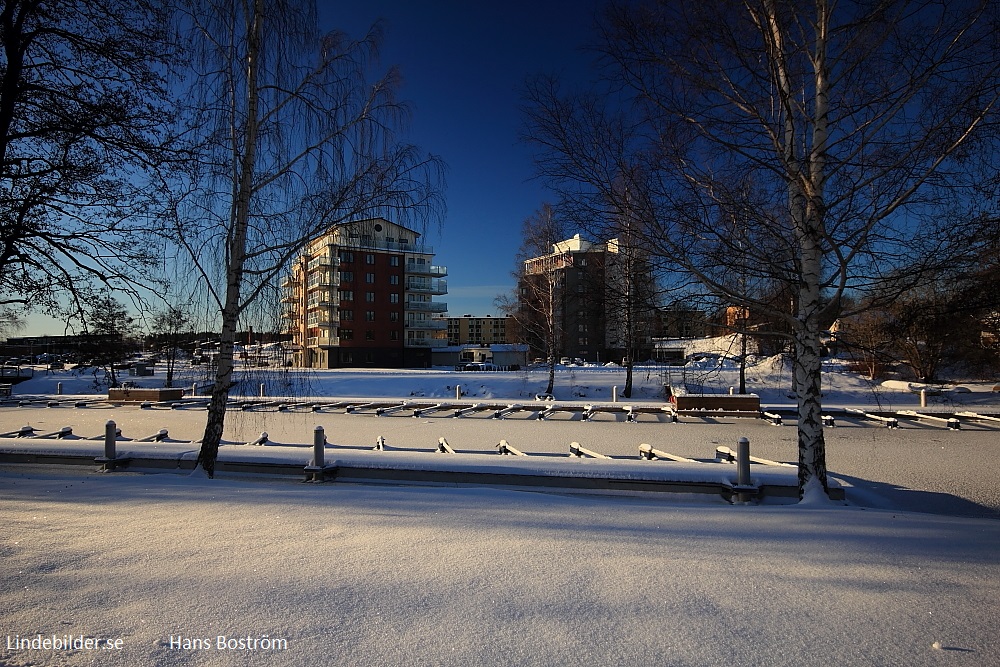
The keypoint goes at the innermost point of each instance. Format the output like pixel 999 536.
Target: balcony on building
pixel 356 241
pixel 322 299
pixel 426 285
pixel 331 341
pixel 323 261
pixel 323 319
pixel 415 268
pixel 323 278
pixel 427 324
pixel 426 306
pixel 425 342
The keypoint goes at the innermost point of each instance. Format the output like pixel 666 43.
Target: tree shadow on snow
pixel 884 495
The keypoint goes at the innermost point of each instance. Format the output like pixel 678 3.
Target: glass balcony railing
pixel 426 306
pixel 426 270
pixel 324 260
pixel 425 342
pixel 322 342
pixel 427 325
pixel 427 286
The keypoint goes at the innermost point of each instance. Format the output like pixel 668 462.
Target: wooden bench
pixel 723 402
pixel 140 395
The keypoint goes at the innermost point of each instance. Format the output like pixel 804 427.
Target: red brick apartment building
pixel 362 295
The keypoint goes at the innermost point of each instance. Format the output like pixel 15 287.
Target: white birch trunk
pixel 236 249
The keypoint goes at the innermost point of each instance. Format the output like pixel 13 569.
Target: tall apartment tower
pixel 598 299
pixel 576 268
pixel 362 295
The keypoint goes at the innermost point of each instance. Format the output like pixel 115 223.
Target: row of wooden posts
pixel 314 469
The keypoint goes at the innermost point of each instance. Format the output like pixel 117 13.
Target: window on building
pixel 369 316
pixel 393 280
pixel 370 297
pixel 394 260
pixel 346 315
pixel 394 298
pixel 346 295
pixel 347 358
pixel 369 334
pixel 347 276
pixel 369 278
pixel 346 256
pixel 394 335
pixel 369 258
pixel 347 334
pixel 393 316
pixel 583 340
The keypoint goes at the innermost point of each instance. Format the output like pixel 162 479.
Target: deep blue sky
pixel 463 66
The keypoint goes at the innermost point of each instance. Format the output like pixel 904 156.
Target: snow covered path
pixel 365 575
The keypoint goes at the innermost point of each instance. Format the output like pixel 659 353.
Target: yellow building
pixel 469 330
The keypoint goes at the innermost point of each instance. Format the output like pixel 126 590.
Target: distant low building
pixel 503 355
pixel 469 330
pixel 30 347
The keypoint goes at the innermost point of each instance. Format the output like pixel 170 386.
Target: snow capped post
pixel 110 459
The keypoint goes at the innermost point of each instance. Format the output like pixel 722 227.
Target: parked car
pixel 480 366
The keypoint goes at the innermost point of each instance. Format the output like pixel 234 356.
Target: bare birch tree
pixel 171 326
pixel 290 134
pixel 537 305
pixel 630 297
pixel 860 126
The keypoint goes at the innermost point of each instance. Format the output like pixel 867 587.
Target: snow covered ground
pixel 907 573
